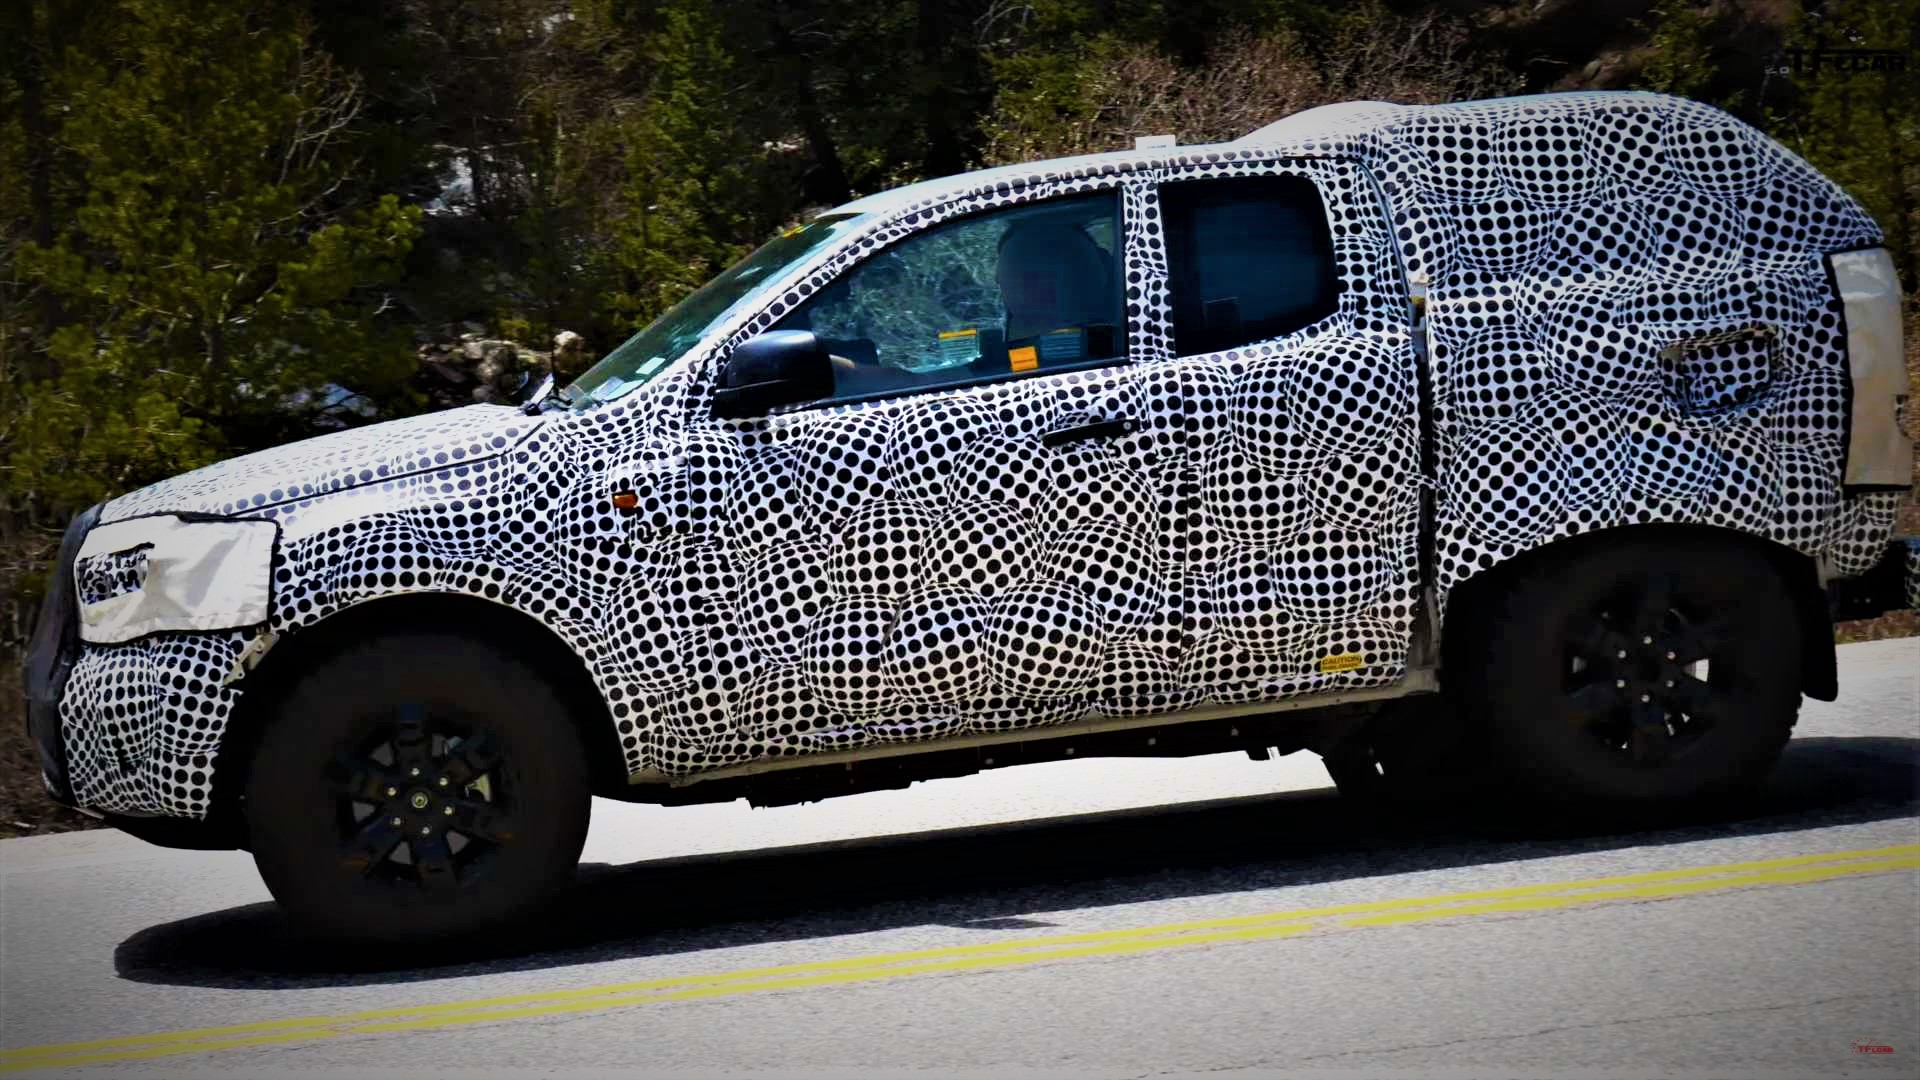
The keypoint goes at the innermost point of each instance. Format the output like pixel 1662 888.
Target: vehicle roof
pixel 1341 128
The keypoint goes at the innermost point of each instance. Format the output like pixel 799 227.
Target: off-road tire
pixel 308 841
pixel 1555 729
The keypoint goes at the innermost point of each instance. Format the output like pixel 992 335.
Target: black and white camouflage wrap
pixel 1628 318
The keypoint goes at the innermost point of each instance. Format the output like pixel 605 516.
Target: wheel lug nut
pixel 392 791
pixel 415 771
pixel 443 780
pixel 426 830
pixel 1619 684
pixel 1648 640
pixel 1669 684
pixel 1621 655
pixel 447 810
pixel 1670 656
pixel 1644 698
pixel 396 821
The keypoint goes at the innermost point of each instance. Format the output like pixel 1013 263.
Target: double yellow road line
pixel 994 955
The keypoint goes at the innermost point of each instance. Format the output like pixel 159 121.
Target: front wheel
pixel 1641 670
pixel 417 788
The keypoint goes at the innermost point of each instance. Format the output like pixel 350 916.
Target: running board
pixel 1421 680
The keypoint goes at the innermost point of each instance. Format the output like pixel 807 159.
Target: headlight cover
pixel 165 572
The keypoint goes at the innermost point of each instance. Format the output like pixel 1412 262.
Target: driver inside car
pixel 1057 287
pixel 1051 292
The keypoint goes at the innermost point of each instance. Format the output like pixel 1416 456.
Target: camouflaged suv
pixel 1581 408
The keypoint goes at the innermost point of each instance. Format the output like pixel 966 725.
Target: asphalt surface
pixel 1093 918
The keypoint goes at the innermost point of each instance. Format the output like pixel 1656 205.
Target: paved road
pixel 1104 918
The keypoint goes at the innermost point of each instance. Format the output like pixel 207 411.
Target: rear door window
pixel 1249 259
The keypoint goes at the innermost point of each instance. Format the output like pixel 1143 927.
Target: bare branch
pixel 330 99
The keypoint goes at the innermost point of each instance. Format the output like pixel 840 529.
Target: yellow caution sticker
pixel 1024 358
pixel 959 347
pixel 1340 661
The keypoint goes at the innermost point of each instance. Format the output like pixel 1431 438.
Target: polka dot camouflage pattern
pixel 1628 320
pixel 109 574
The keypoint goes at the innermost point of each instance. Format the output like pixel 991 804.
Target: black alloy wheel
pixel 427 802
pixel 1639 672
pixel 417 788
pixel 1649 666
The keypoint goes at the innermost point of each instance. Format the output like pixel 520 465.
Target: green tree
pixel 212 283
pixel 1680 38
pixel 690 184
pixel 1862 128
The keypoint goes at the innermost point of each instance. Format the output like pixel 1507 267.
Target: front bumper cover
pixel 50 658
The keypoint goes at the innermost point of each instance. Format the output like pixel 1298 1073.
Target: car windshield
pixel 652 350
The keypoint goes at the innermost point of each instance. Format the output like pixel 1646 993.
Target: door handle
pixel 1103 429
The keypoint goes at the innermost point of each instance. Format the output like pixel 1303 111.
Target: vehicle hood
pixel 333 462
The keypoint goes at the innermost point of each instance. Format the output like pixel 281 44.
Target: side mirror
pixel 541 392
pixel 780 367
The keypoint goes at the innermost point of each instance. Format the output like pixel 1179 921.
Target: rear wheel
pixel 1643 670
pixel 417 788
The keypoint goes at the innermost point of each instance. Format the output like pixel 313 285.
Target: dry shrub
pixel 1249 82
pixel 1419 60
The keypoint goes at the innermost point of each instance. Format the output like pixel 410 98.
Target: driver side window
pixel 1001 293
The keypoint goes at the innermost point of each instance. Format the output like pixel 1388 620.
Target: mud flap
pixel 1892 584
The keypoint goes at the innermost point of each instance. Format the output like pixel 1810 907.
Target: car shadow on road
pixel 992 877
